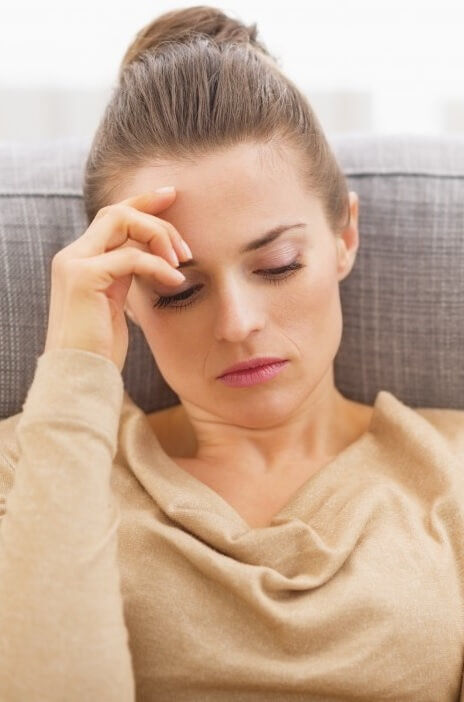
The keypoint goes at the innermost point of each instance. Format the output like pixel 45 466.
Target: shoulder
pixel 449 423
pixel 9 453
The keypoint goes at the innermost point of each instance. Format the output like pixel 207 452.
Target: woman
pixel 267 538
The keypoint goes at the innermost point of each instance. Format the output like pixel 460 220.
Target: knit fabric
pixel 123 577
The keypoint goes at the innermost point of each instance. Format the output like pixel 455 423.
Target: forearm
pixel 62 630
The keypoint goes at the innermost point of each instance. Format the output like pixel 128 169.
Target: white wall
pixel 366 65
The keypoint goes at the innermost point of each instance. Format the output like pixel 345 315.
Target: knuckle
pixel 103 211
pixel 116 211
pixel 120 210
pixel 65 266
pixel 65 269
pixel 58 260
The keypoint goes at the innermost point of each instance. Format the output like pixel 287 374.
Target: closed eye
pixel 272 275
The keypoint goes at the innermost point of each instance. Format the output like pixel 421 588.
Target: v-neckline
pixel 182 492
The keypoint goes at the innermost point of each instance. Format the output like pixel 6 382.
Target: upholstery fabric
pixel 403 325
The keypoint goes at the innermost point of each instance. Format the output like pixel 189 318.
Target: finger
pixel 149 204
pixel 119 226
pixel 150 199
pixel 98 272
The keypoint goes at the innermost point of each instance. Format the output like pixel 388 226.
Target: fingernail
pixel 179 275
pixel 165 189
pixel 174 258
pixel 187 249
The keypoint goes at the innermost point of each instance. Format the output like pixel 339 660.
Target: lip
pixel 253 376
pixel 251 363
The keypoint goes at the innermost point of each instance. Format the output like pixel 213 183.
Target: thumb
pixel 117 291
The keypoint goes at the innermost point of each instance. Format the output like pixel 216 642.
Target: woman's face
pixel 234 309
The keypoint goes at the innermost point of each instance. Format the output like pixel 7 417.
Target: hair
pixel 195 81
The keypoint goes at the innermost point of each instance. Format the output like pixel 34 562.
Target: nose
pixel 238 313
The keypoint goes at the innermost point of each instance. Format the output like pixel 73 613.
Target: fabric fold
pixel 62 629
pixel 361 570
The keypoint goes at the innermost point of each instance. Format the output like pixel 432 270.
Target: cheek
pixel 167 333
pixel 171 345
pixel 323 289
pixel 313 307
pixel 166 340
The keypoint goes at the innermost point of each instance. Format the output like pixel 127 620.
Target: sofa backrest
pixel 403 302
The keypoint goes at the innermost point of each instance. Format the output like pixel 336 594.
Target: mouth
pixel 250 364
pixel 253 376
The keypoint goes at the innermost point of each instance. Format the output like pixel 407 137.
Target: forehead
pixel 233 194
pixel 239 175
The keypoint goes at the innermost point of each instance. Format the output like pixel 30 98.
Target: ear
pixel 348 241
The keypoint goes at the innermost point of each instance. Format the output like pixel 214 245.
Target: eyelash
pixel 165 301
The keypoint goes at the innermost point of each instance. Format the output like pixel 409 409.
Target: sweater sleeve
pixel 62 629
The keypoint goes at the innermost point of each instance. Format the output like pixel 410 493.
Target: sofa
pixel 402 304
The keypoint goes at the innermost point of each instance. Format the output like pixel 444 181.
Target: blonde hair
pixel 195 81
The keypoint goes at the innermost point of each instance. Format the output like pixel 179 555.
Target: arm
pixel 62 629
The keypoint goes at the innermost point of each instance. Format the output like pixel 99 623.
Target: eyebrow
pixel 264 239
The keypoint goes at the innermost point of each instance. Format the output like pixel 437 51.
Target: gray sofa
pixel 403 303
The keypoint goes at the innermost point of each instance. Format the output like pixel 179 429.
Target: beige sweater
pixel 123 577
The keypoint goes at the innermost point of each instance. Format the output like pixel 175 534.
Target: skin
pixel 286 428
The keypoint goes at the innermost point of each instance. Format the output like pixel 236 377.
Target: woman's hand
pixel 92 276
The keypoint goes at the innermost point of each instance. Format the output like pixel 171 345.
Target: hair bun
pixel 184 24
